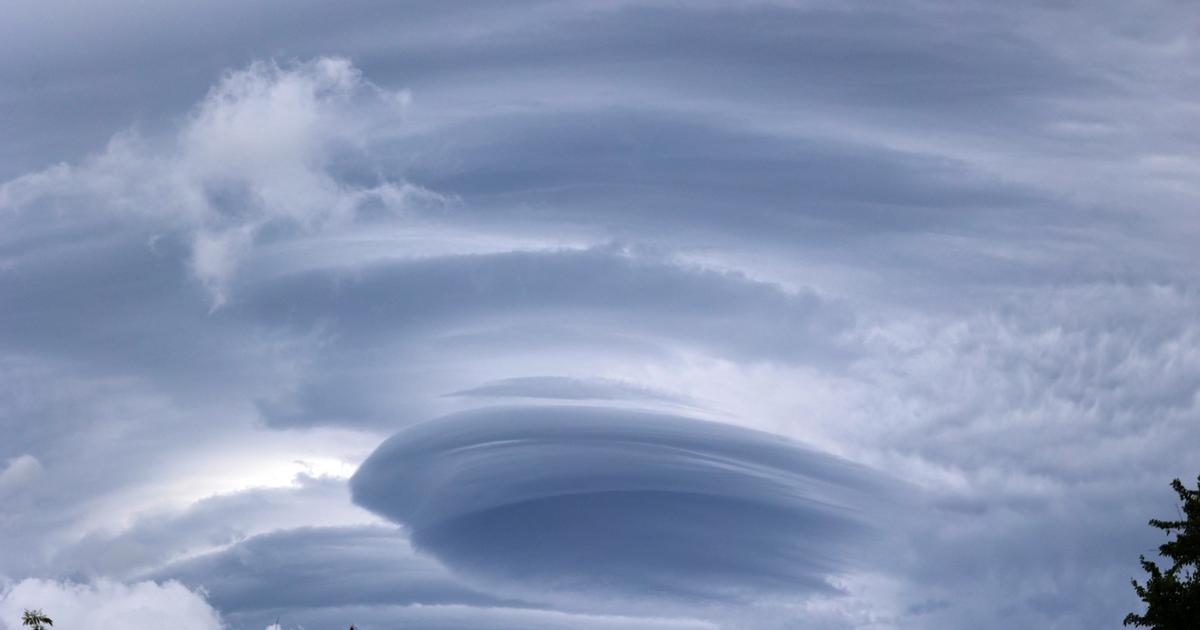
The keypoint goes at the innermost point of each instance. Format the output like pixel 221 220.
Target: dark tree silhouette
pixel 36 620
pixel 1173 596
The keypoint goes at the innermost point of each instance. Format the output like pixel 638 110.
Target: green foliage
pixel 1173 596
pixel 36 620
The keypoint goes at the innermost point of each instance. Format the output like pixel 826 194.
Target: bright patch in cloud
pixel 262 149
pixel 105 605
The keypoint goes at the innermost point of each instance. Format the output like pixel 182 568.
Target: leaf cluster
pixel 1172 596
pixel 36 620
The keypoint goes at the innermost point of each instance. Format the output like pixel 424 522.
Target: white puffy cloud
pixel 263 148
pixel 104 605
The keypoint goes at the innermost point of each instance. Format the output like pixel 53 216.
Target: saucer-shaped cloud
pixel 621 503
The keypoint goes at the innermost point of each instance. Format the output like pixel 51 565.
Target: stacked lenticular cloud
pixel 621 503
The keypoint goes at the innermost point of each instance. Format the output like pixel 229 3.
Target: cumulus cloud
pixel 105 604
pixel 268 146
pixel 621 503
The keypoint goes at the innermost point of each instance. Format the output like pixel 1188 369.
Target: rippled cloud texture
pixel 593 315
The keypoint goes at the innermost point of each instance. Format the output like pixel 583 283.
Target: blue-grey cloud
pixel 566 388
pixel 454 617
pixel 154 539
pixel 604 287
pixel 620 502
pixel 315 577
pixel 704 175
pixel 601 299
pixel 320 568
pixel 954 242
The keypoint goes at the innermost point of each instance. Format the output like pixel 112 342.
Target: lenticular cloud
pixel 621 503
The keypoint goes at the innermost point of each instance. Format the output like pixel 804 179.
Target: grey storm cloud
pixel 622 502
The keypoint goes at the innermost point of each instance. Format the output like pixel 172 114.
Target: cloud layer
pixel 243 245
pixel 371 576
pixel 622 503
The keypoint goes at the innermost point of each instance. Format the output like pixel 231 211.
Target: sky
pixel 617 315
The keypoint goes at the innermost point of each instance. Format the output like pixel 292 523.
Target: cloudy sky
pixel 569 315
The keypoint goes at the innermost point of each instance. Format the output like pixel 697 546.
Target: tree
pixel 1173 596
pixel 36 620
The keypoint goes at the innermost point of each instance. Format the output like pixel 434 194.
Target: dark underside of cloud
pixel 322 567
pixel 328 577
pixel 621 503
